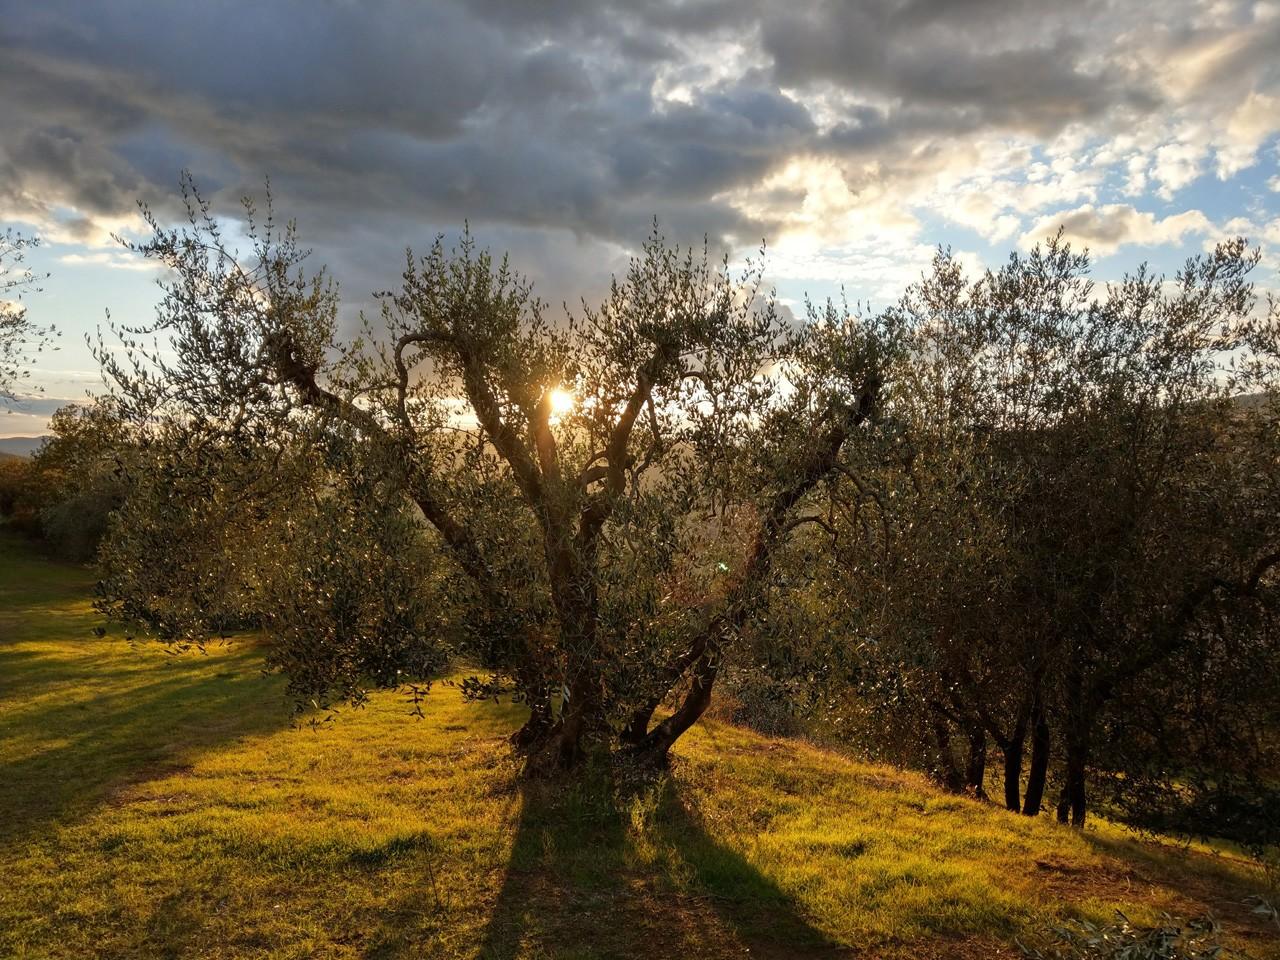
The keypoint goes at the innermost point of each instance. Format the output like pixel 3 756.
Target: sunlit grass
pixel 158 806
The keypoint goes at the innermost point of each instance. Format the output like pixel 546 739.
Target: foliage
pixel 616 547
pixel 370 607
pixel 1073 528
pixel 21 339
pixel 67 491
pixel 216 538
pixel 19 491
pixel 81 476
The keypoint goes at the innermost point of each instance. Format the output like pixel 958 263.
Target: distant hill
pixel 20 446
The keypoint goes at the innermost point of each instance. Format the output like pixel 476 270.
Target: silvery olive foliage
pixel 302 541
pixel 609 490
pixel 78 479
pixel 66 492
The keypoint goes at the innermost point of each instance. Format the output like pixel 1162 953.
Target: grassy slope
pixel 154 806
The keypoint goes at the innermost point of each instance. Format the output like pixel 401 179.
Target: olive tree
pixel 21 339
pixel 614 487
pixel 79 479
pixel 1070 498
pixel 945 642
pixel 1151 509
pixel 300 539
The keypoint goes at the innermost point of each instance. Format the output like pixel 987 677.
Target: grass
pixel 159 806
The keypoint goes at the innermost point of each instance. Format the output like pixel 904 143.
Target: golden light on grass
pixel 418 836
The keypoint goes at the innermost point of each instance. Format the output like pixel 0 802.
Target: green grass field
pixel 162 806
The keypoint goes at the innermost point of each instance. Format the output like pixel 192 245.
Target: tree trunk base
pixel 1039 765
pixel 534 732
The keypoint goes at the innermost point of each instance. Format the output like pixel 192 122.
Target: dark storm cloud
pixel 957 55
pixel 420 67
pixel 380 122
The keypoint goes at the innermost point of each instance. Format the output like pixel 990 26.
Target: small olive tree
pixel 21 339
pixel 79 477
pixel 614 488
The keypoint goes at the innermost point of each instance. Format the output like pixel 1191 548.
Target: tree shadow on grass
pixel 601 872
pixel 67 752
pixel 83 716
pixel 1219 885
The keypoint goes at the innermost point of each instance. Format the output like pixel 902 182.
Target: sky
pixel 852 138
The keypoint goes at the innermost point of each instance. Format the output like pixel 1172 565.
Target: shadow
pixel 1211 880
pixel 83 717
pixel 86 751
pixel 601 871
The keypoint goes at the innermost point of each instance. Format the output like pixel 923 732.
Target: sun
pixel 562 402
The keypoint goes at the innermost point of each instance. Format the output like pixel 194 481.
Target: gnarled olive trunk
pixel 975 770
pixel 574 591
pixel 946 770
pixel 1013 748
pixel 702 660
pixel 1039 769
pixel 1071 803
pixel 652 749
pixel 537 728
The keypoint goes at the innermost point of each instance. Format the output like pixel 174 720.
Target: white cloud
pixel 1258 232
pixel 878 272
pixel 1250 125
pixel 1107 228
pixel 1177 165
pixel 818 204
pixel 1136 181
pixel 112 260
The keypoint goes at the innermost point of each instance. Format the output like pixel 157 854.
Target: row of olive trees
pixel 1065 543
pixel 1012 511
pixel 67 492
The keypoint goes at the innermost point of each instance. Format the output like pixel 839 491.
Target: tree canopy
pixel 21 339
pixel 1016 512
pixel 612 548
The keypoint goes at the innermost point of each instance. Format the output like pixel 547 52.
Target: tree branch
pixel 543 439
pixel 600 506
pixel 705 654
pixel 302 377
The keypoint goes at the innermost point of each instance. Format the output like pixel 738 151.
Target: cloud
pixel 1252 123
pixel 1105 229
pixel 1177 165
pixel 36 405
pixel 560 129
pixel 112 260
pixel 1254 231
pixel 29 415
